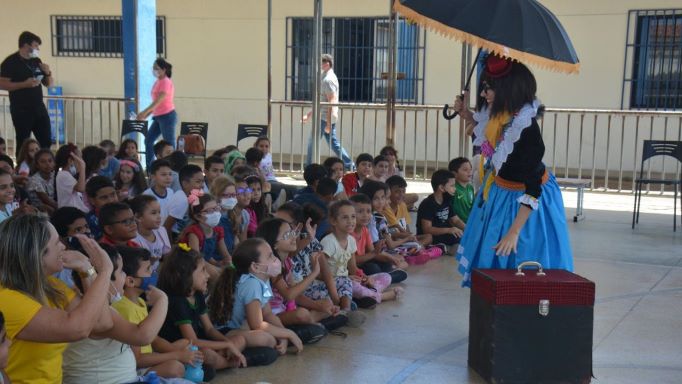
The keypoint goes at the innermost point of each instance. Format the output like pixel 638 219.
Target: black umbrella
pixel 522 30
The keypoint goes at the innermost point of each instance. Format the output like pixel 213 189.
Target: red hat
pixel 496 66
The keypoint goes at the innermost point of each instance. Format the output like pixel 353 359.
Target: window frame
pixel 106 39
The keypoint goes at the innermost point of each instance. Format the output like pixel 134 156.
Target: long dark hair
pixel 166 66
pixel 122 149
pixel 139 182
pixel 513 90
pixel 175 275
pixel 268 230
pixel 259 206
pixel 221 300
pixel 93 157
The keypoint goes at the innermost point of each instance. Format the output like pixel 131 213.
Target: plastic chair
pixel 651 149
pixel 250 130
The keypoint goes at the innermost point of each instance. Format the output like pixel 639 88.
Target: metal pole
pixel 315 78
pixel 392 60
pixel 269 67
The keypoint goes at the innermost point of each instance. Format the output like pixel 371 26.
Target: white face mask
pixel 156 73
pixel 73 170
pixel 115 297
pixel 213 219
pixel 34 53
pixel 228 203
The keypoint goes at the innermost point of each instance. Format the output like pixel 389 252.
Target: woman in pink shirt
pixel 162 108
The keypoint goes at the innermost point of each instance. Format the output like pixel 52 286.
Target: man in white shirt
pixel 329 92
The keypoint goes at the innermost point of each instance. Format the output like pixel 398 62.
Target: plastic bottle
pixel 132 116
pixel 194 373
pixel 150 378
pixel 181 144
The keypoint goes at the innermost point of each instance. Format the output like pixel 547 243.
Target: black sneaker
pixel 366 302
pixel 309 333
pixel 258 356
pixel 397 276
pixel 334 322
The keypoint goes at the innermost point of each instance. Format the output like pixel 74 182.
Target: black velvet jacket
pixel 524 164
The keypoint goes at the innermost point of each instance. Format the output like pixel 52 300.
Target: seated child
pixel 321 197
pixel 162 357
pixel 213 167
pixel 239 216
pixel 106 356
pixel 191 177
pixel 435 216
pixel 118 225
pixel 161 178
pixel 223 189
pixel 379 169
pixel 150 234
pixel 112 163
pixel 204 234
pixel 463 200
pixel 7 192
pixel 100 191
pixel 299 266
pixel 257 209
pixel 334 167
pixel 41 184
pixel 69 222
pixel 26 155
pixel 397 214
pixel 242 295
pixel 162 149
pixel 184 278
pixel 130 180
pixel 353 181
pixel 70 179
pixel 394 169
pixel 339 247
pixel 368 290
pixel 378 260
pixel 282 238
pixel 128 150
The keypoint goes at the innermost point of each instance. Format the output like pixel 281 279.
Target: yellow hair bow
pixel 184 246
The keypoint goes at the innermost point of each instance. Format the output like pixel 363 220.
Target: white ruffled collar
pixel 511 134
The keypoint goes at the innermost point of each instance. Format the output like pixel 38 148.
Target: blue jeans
pixel 163 125
pixel 334 143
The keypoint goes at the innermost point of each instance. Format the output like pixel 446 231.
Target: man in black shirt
pixel 21 74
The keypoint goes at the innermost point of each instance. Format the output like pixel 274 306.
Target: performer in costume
pixel 518 214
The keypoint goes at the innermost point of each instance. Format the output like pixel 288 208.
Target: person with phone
pixel 22 74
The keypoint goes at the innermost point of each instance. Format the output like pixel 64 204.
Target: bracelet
pixel 89 273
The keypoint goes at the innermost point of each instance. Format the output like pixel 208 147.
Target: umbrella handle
pixel 446 113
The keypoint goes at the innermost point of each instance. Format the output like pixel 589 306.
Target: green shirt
pixel 463 201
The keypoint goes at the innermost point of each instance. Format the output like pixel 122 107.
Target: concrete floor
pixel 423 337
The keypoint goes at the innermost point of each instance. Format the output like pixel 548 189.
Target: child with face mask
pixel 205 235
pixel 225 191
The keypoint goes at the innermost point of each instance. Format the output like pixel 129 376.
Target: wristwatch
pixel 89 273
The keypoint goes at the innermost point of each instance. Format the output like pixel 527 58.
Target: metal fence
pixel 604 146
pixel 85 120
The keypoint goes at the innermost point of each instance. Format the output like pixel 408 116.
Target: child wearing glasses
pixel 225 192
pixel 240 216
pixel 118 224
pixel 204 234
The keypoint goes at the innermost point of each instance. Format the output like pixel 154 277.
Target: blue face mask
pixel 148 281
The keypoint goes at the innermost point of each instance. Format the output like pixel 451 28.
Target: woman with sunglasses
pixel 518 213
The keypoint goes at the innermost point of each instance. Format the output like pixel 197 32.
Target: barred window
pixel 360 49
pixel 96 36
pixel 654 53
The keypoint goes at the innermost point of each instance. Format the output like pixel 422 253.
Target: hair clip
pixel 194 196
pixel 231 266
pixel 184 247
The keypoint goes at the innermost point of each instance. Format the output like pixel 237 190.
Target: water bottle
pixel 132 116
pixel 150 378
pixel 194 373
pixel 181 144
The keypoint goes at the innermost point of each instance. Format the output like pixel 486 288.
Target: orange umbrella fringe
pixel 498 49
